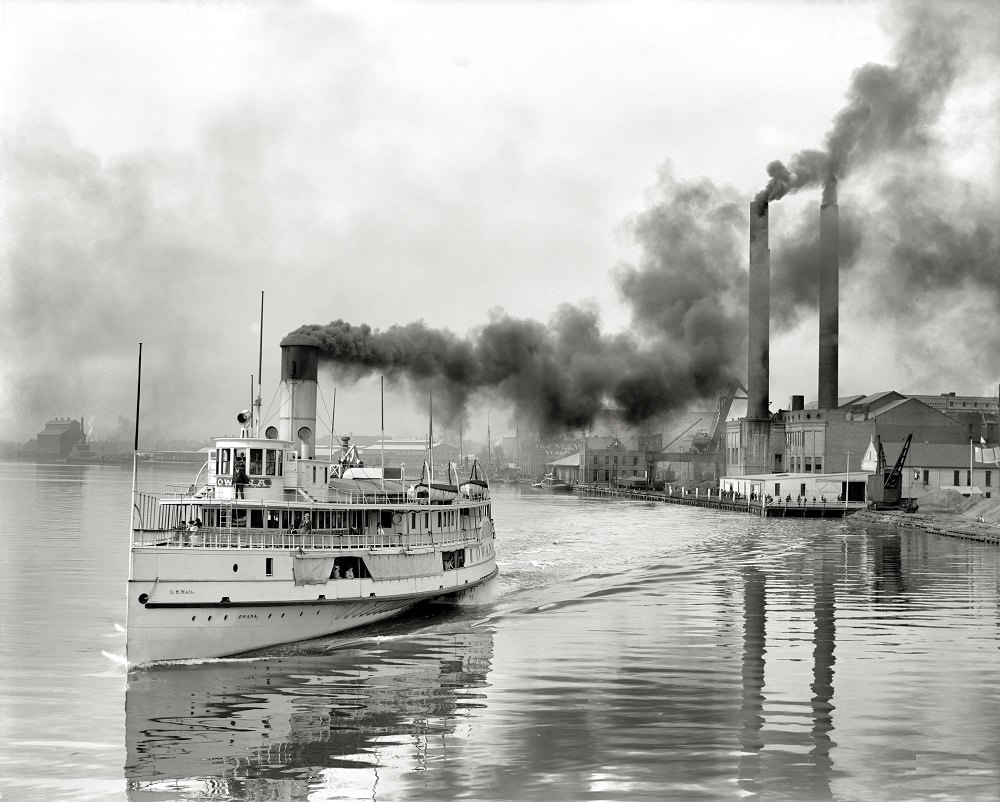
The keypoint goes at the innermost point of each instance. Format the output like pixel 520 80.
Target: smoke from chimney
pixel 889 108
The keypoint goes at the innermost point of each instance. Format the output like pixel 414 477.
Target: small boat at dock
pixel 550 483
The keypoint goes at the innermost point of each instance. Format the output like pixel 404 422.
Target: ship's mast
pixel 260 369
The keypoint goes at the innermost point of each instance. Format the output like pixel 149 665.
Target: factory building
pixel 56 441
pixel 804 444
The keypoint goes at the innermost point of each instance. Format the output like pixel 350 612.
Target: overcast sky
pixel 456 163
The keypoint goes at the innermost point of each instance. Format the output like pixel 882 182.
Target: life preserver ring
pixel 397 518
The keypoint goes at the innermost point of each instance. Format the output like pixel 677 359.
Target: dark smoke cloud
pixel 889 107
pixel 687 314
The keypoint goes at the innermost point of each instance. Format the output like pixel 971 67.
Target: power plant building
pixel 821 446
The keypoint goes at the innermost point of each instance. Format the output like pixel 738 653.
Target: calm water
pixel 627 651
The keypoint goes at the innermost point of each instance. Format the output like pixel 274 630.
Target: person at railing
pixel 305 525
pixel 240 479
pixel 350 573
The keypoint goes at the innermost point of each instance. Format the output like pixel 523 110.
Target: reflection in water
pixel 278 728
pixel 824 638
pixel 752 671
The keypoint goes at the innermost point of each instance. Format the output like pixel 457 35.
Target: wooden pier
pixel 774 509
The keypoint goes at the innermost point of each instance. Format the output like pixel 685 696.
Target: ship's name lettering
pixel 248 616
pixel 227 481
pixel 182 592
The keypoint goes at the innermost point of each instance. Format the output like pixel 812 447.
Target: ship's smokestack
pixel 829 314
pixel 299 373
pixel 758 364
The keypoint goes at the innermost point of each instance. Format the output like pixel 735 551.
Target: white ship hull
pixel 203 617
pixel 182 630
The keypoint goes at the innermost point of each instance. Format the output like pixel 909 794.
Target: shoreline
pixel 949 524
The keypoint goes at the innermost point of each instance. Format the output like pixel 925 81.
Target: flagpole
pixel 135 459
pixel 135 468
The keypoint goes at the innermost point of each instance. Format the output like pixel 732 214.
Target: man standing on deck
pixel 240 479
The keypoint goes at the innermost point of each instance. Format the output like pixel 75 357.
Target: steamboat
pixel 272 544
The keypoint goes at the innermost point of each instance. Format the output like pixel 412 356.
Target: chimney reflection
pixel 824 640
pixel 752 708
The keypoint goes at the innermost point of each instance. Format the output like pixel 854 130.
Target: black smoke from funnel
pixel 687 320
pixel 889 108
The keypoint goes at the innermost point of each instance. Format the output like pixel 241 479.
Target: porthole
pixel 225 618
pixel 282 615
pixel 210 618
pixel 269 615
pixel 143 598
pixel 300 615
pixel 193 617
pixel 235 568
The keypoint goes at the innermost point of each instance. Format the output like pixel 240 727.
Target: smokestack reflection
pixel 752 672
pixel 824 640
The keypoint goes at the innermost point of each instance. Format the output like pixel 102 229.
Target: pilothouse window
pixel 225 461
pixel 256 460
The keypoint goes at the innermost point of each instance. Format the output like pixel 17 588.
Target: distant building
pixel 614 460
pixel 59 437
pixel 410 452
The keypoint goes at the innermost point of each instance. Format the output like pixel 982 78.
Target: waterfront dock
pixel 776 508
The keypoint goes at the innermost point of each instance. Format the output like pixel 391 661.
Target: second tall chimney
pixel 829 314
pixel 759 330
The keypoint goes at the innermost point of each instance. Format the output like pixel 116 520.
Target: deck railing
pixel 319 540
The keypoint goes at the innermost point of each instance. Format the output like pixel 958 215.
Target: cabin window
pixel 819 465
pixel 325 477
pixel 956 482
pixel 256 519
pixel 269 462
pixel 802 490
pixel 314 474
pixel 989 479
pixel 349 568
pixel 427 521
pixel 413 522
pixel 256 461
pixel 269 566
pixel 225 461
pixel 927 477
pixel 777 489
pixel 272 519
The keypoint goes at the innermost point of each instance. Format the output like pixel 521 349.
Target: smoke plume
pixel 889 107
pixel 686 316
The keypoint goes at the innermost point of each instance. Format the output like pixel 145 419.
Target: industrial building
pixel 805 444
